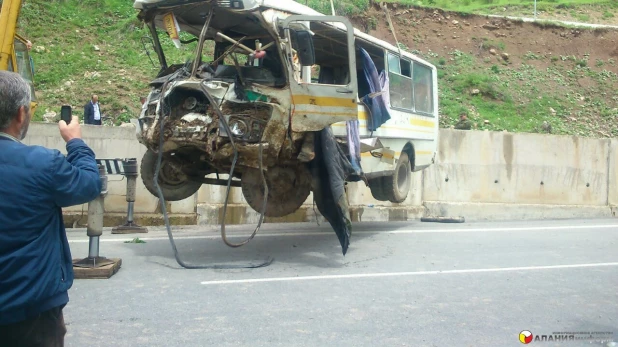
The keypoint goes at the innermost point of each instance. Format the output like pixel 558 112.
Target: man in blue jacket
pixel 36 269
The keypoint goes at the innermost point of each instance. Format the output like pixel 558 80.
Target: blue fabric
pixel 36 269
pixel 352 128
pixel 376 104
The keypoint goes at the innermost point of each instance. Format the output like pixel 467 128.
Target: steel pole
pixel 93 247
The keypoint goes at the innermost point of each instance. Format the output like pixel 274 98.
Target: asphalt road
pixel 401 284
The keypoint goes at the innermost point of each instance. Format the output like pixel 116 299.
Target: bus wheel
pixel 398 185
pixel 174 183
pixel 288 189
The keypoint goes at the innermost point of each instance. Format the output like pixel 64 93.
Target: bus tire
pixel 288 189
pixel 398 185
pixel 174 185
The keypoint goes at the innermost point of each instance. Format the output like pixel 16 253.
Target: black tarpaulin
pixel 330 168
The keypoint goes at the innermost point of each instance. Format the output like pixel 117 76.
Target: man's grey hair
pixel 14 93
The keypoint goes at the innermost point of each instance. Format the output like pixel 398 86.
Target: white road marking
pixel 404 274
pixel 393 232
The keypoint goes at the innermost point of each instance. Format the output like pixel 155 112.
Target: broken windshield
pixel 236 44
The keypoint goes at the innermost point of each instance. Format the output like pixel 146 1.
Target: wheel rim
pixel 170 176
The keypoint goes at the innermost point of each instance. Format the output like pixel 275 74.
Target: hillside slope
pixel 507 75
pixel 511 75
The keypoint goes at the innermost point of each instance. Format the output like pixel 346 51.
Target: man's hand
pixel 70 131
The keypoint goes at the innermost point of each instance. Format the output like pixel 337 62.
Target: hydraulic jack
pixel 130 172
pixel 96 266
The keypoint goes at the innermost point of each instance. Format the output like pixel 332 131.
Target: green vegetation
pixel 516 98
pixel 77 54
pixel 135 240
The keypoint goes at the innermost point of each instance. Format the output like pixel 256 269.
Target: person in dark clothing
pixel 36 269
pixel 92 111
pixel 464 123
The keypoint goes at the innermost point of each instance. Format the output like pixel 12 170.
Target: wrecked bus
pixel 285 101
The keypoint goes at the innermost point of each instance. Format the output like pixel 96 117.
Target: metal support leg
pixel 93 249
pixel 130 227
pixel 96 211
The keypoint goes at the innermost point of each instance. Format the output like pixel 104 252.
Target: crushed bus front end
pixel 229 108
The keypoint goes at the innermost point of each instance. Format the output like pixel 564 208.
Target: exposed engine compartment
pixel 193 125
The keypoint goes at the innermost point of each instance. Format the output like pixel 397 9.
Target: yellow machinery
pixel 14 55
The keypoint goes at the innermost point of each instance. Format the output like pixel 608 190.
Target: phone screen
pixel 65 114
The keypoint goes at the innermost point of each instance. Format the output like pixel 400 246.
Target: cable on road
pixel 165 113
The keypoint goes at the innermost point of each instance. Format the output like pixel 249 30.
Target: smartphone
pixel 66 113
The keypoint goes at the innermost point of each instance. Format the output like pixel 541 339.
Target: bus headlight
pixel 238 127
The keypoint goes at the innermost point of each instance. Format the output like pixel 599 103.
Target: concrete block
pixel 212 214
pixel 496 211
pixel 386 214
pixel 210 194
pixel 299 216
pixel 406 213
pixel 488 175
pixel 497 167
pixel 207 214
pixel 367 214
pixel 613 174
pixel 114 219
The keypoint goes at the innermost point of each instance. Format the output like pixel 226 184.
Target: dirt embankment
pixel 441 32
pixel 548 74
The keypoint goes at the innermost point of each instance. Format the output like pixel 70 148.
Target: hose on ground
pixel 165 112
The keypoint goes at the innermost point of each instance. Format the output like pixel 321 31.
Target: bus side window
pixel 423 87
pixel 331 65
pixel 393 64
pixel 399 74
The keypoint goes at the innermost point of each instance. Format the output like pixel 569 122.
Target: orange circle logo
pixel 525 337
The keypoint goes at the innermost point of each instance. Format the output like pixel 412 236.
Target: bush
pixel 464 83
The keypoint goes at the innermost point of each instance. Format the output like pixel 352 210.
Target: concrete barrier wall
pixel 358 194
pixel 497 167
pixel 613 174
pixel 471 167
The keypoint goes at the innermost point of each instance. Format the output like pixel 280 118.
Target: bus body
pixel 281 73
